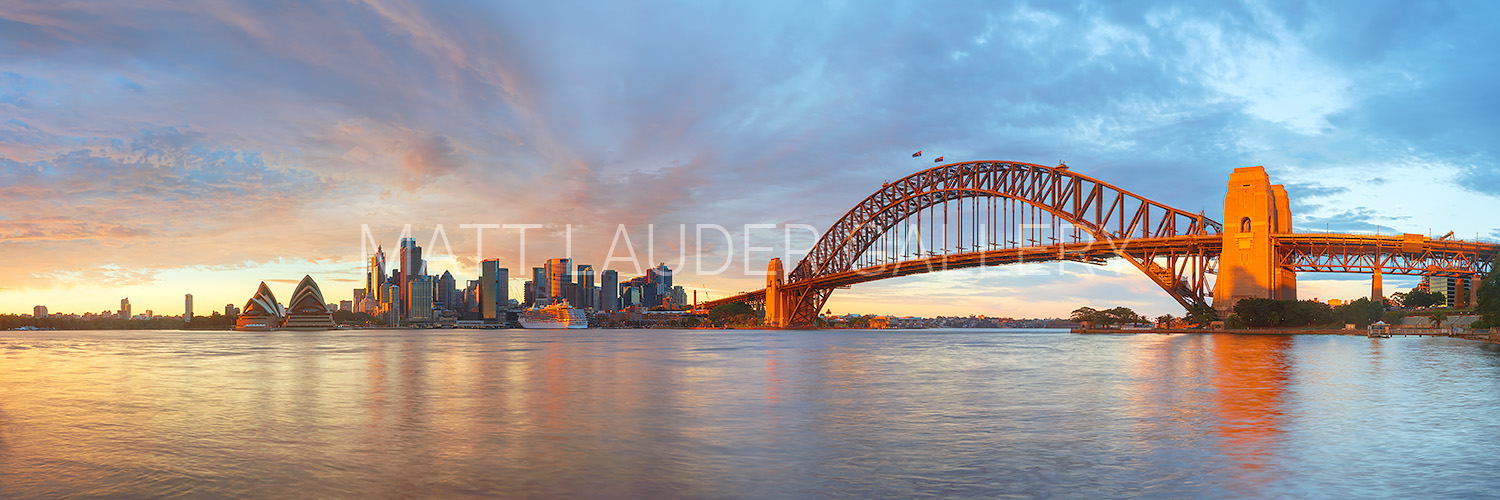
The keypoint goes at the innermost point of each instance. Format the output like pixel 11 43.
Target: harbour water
pixel 744 414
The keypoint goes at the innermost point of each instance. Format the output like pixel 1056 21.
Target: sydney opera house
pixel 307 311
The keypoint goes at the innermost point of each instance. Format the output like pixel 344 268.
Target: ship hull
pixel 552 325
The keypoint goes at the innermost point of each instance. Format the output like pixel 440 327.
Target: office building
pixel 346 305
pixel 231 311
pixel 187 307
pixel 411 269
pixel 421 295
pixel 609 285
pixel 471 298
pixel 539 286
pixel 447 291
pixel 124 309
pixel 375 277
pixel 494 289
pixel 585 288
pixel 558 274
pixel 39 312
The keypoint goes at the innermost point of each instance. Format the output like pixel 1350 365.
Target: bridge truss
pixel 990 213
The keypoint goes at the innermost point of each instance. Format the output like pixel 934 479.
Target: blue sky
pixel 151 149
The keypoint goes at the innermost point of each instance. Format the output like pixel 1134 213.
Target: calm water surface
pixel 730 414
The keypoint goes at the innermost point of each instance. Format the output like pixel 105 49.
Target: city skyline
pixel 159 151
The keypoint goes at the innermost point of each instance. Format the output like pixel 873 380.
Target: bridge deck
pixel 1304 252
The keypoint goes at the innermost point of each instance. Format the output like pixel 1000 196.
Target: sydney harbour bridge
pixel 992 213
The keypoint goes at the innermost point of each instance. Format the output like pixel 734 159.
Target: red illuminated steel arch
pixel 1110 215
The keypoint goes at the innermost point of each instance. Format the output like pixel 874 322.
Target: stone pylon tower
pixel 777 315
pixel 1254 211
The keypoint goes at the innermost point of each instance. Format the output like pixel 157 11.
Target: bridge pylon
pixel 1249 263
pixel 777 315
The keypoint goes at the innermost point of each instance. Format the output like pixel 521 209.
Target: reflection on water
pixel 681 414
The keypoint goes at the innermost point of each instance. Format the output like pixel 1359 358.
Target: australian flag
pixel 937 160
pixel 916 154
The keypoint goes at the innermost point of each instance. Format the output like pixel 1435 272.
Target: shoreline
pixel 1237 331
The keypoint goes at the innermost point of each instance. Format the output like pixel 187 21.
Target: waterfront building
pixel 494 289
pixel 411 268
pixel 609 284
pixel 1450 288
pixel 539 287
pixel 39 312
pixel 390 310
pixel 443 290
pixel 585 287
pixel 421 293
pixel 262 312
pixel 124 308
pixel 558 273
pixel 308 311
pixel 231 311
pixel 187 307
pixel 375 277
pixel 471 296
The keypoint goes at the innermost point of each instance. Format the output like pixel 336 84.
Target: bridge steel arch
pixel 1112 216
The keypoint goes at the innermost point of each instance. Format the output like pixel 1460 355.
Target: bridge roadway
pixel 1300 252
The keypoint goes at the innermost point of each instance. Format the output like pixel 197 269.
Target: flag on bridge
pixel 937 160
pixel 916 154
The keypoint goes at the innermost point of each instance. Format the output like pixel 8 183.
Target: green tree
pixel 1418 299
pixel 1087 315
pixel 1201 314
pixel 1438 318
pixel 1392 317
pixel 1306 313
pixel 1488 305
pixel 1165 321
pixel 1123 315
pixel 1260 312
pixel 737 312
pixel 1361 312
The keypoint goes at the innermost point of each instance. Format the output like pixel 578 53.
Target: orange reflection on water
pixel 1250 379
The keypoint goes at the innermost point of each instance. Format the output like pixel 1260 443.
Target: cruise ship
pixel 557 315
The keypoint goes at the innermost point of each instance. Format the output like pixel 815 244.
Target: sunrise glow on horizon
pixel 151 151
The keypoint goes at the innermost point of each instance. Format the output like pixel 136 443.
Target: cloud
pixel 188 136
pixel 428 157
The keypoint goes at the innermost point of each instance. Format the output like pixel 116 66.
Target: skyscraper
pixel 420 307
pixel 447 290
pixel 539 288
pixel 494 289
pixel 125 308
pixel 558 272
pixel 39 312
pixel 375 277
pixel 609 284
pixel 411 268
pixel 585 286
pixel 658 286
pixel 471 299
pixel 187 307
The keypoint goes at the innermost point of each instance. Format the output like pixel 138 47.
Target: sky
pixel 152 149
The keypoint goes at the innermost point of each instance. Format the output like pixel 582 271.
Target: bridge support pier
pixel 777 315
pixel 1377 289
pixel 1254 210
